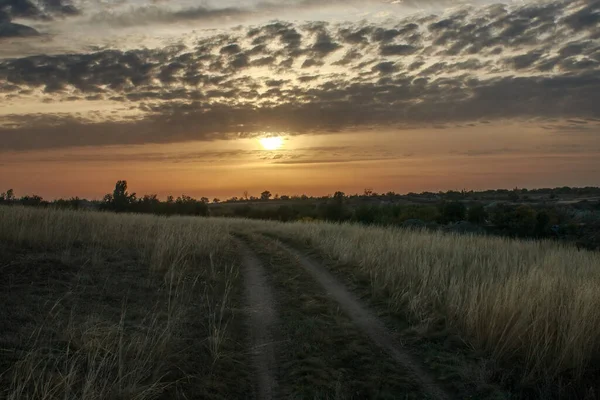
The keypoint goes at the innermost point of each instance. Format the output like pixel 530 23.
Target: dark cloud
pixel 9 29
pixel 324 44
pixel 39 10
pixel 386 67
pixel 45 10
pixel 231 49
pixel 398 50
pixel 371 77
pixel 36 9
pixel 525 60
pixel 587 17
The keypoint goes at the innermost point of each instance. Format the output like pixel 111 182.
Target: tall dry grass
pixel 104 359
pixel 535 304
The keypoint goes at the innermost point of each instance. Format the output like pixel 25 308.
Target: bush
pixel 452 212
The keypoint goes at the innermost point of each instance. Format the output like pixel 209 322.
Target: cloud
pixel 41 10
pixel 477 64
pixel 398 50
pixel 9 29
pixel 161 13
pixel 44 10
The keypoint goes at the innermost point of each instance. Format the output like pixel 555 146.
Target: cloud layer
pixel 538 62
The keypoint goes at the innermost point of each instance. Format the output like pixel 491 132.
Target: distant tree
pixel 246 195
pixel 186 205
pixel 276 197
pixel 368 192
pixel 33 200
pixel 284 197
pixel 8 197
pixel 266 195
pixel 339 196
pixel 120 200
pixel 170 199
pixel 149 203
pixel 216 200
pixel 204 200
pixel 232 200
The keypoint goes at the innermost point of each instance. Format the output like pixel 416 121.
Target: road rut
pixel 368 322
pixel 261 319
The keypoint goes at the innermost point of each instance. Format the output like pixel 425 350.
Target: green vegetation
pixel 567 214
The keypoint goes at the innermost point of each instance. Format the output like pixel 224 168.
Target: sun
pixel 271 143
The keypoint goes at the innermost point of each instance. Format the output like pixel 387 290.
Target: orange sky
pixel 401 161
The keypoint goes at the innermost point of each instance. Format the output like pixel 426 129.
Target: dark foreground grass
pixel 322 353
pixel 98 323
pixel 460 368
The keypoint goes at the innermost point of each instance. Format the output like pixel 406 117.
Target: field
pixel 99 305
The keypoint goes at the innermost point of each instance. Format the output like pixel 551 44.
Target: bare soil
pixel 369 323
pixel 261 320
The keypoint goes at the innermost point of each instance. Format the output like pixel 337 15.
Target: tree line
pixel 505 212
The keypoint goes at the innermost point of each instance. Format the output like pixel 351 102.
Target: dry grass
pixel 534 303
pixel 534 306
pixel 84 349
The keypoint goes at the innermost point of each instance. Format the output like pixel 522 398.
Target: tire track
pixel 367 322
pixel 262 319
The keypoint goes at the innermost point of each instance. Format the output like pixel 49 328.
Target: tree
pixel 33 200
pixel 246 194
pixel 120 200
pixel 266 195
pixel 368 192
pixel 216 200
pixel 204 200
pixel 8 196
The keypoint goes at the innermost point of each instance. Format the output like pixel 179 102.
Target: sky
pixel 177 96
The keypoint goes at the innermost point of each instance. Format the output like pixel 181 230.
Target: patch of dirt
pixel 368 323
pixel 262 319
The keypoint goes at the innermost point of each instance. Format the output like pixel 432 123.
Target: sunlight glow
pixel 271 143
